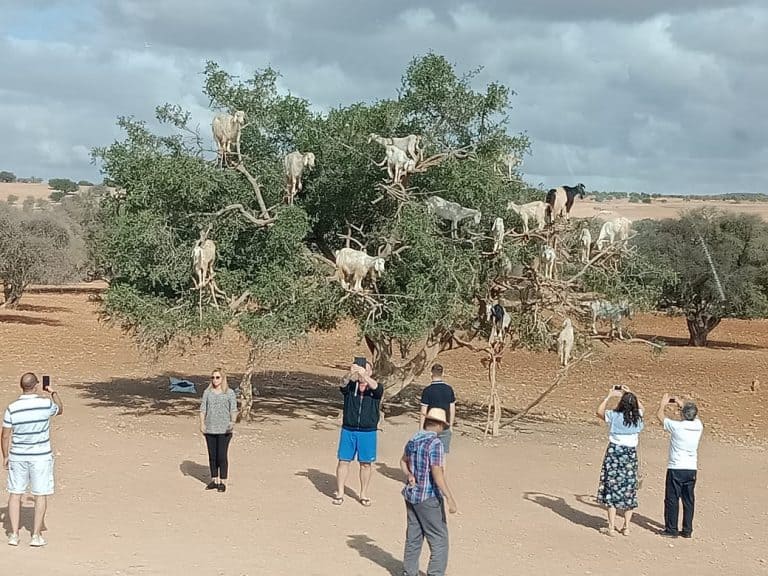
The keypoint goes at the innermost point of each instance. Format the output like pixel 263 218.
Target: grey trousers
pixel 426 519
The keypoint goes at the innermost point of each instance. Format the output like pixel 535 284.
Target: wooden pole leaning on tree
pixel 562 375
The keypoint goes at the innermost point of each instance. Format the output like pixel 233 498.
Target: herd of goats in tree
pixel 545 219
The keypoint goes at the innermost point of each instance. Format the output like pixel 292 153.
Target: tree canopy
pixel 274 261
pixel 716 267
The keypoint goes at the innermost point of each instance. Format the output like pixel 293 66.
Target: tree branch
pixel 256 189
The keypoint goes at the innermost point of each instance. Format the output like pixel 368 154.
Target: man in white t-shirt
pixel 683 463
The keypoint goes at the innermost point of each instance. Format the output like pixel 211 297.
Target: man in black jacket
pixel 362 396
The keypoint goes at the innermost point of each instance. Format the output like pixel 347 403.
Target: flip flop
pixel 365 502
pixel 338 500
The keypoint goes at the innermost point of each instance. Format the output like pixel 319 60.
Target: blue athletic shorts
pixel 355 443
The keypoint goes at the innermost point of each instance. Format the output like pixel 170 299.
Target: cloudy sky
pixel 621 95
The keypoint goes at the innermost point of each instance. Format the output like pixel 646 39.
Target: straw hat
pixel 437 415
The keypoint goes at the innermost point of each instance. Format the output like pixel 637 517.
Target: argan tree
pixel 275 262
pixel 717 267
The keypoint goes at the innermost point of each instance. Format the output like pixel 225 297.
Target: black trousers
pixel 680 486
pixel 218 445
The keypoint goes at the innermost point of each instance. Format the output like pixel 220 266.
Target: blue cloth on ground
pixel 183 386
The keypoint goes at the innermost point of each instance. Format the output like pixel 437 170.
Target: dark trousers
pixel 426 519
pixel 218 445
pixel 680 486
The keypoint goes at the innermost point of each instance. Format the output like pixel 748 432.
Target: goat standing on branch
pixel 510 161
pixel 410 145
pixel 565 342
pixel 604 310
pixel 358 265
pixel 226 131
pixel 452 211
pixel 398 164
pixel 560 201
pixel 585 243
pixel 548 257
pixel 203 258
pixel 295 163
pixel 498 235
pixel 613 232
pixel 536 211
pixel 500 322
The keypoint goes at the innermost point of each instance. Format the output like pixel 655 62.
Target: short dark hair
pixel 437 369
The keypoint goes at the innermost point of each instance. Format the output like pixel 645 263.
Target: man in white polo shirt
pixel 27 453
pixel 683 464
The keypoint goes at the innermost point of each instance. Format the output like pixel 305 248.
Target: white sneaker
pixel 38 540
pixel 13 539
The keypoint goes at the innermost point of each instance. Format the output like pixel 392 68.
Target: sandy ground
pixel 131 464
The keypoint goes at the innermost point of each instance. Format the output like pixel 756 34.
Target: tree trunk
pixel 12 293
pixel 395 378
pixel 246 388
pixel 699 327
pixel 494 403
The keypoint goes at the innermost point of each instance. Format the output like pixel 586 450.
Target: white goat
pixel 500 321
pixel 203 257
pixel 605 310
pixel 548 256
pixel 295 163
pixel 510 161
pixel 565 342
pixel 398 163
pixel 357 264
pixel 536 211
pixel 585 243
pixel 226 131
pixel 452 211
pixel 613 232
pixel 410 144
pixel 498 235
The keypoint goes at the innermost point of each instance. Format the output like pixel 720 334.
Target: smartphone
pixel 617 387
pixel 46 382
pixel 672 401
pixel 360 361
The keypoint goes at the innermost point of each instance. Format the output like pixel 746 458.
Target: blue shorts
pixel 356 443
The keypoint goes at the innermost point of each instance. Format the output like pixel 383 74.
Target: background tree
pixel 12 199
pixel 84 183
pixel 717 265
pixel 33 249
pixel 64 185
pixel 57 195
pixel 6 176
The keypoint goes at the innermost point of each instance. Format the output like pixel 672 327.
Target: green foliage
pixel 63 185
pixel 84 183
pixel 57 195
pixel 29 203
pixel 6 176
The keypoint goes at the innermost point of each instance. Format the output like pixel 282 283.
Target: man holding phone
pixel 685 435
pixel 360 421
pixel 27 452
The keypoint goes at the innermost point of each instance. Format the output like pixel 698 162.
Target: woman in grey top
pixel 218 412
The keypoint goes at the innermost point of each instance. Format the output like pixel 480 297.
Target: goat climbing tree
pixel 275 262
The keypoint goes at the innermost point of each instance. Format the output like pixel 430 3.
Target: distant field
pixel 586 208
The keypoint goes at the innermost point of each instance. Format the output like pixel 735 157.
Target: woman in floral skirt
pixel 618 477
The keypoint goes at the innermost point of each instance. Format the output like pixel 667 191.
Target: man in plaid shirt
pixel 425 491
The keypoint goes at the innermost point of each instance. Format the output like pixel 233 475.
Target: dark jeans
pixel 218 445
pixel 680 486
pixel 426 519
